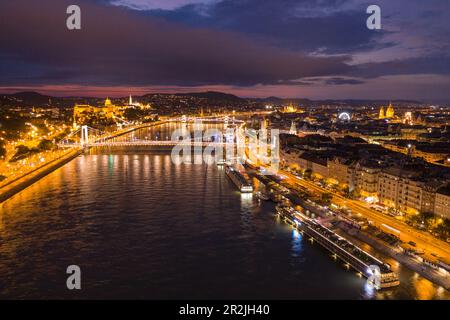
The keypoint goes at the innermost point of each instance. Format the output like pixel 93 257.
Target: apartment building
pixel 442 202
pixel 317 165
pixel 340 170
pixel 397 189
pixel 366 179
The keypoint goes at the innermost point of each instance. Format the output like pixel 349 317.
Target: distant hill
pixel 30 95
pixel 28 98
pixel 213 95
pixel 35 99
pixel 31 98
pixel 280 101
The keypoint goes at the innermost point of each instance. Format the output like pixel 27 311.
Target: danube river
pixel 141 227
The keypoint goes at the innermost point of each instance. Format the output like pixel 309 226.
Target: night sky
pixel 314 49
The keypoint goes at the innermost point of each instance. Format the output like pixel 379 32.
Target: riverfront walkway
pixel 17 185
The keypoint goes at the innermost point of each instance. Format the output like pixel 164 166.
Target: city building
pixel 134 104
pixel 397 190
pixel 291 109
pixel 408 118
pixel 340 172
pixel 366 179
pixel 293 129
pixel 429 190
pixel 437 152
pixel 442 202
pixel 387 113
pixel 107 111
pixel 317 165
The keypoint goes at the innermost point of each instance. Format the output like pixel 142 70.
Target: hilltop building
pixel 108 111
pixel 131 103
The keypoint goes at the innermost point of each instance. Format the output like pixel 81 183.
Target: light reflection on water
pixel 297 243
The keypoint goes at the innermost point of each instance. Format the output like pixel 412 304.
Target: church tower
pixel 263 124
pixel 382 115
pixel 390 111
pixel 293 129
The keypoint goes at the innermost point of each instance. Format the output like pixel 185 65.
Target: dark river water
pixel 141 227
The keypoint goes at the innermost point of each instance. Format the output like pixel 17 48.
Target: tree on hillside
pixel 45 145
pixel 307 174
pixel 21 153
pixel 2 150
pixel 326 197
pixel 443 229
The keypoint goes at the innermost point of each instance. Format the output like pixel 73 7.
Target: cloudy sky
pixel 253 48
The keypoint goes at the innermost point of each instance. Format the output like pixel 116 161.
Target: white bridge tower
pixel 293 129
pixel 84 135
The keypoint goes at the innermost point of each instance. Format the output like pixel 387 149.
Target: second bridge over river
pixel 86 137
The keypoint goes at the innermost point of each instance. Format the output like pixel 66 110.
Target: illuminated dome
pixel 108 102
